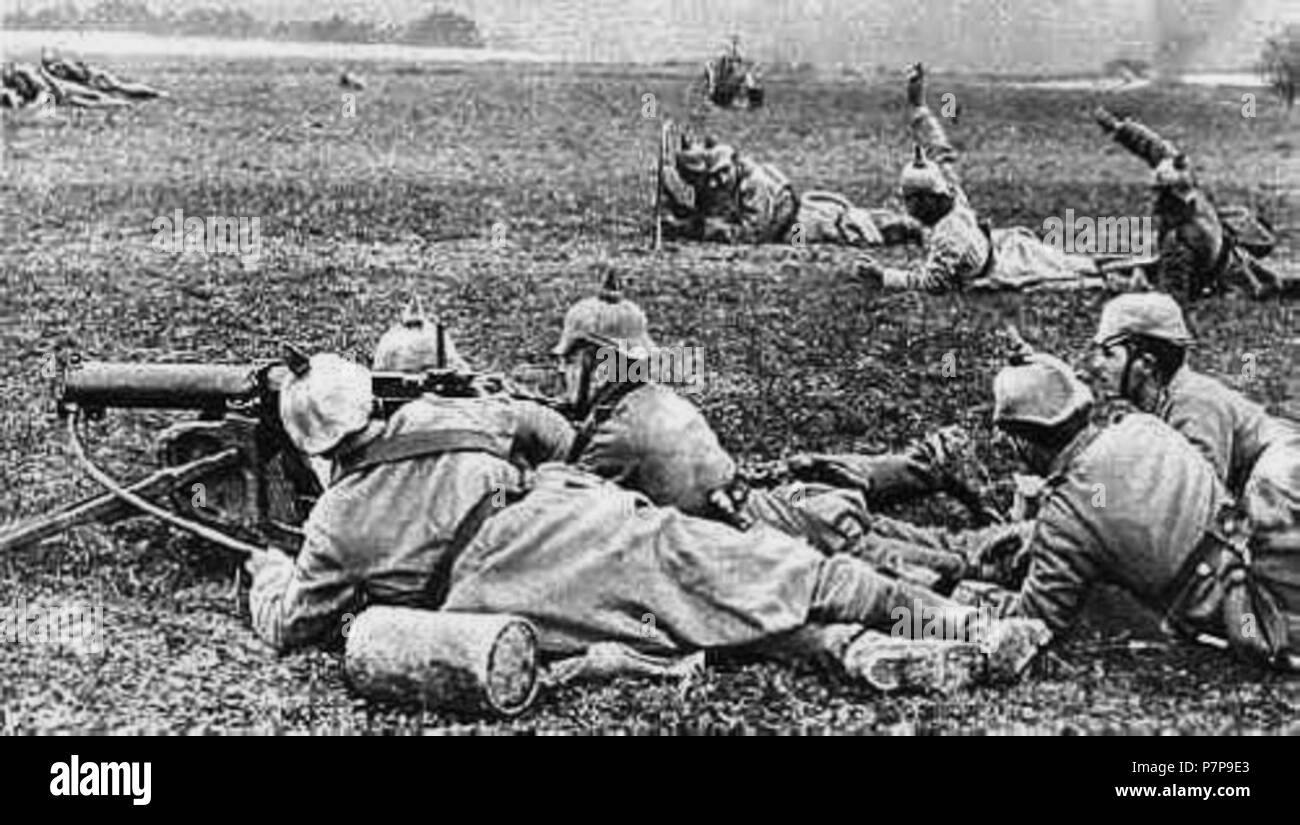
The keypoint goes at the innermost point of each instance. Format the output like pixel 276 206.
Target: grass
pixel 499 195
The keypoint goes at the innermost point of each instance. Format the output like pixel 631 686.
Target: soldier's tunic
pixel 647 438
pixel 1202 248
pixel 589 561
pixel 584 559
pixel 960 255
pixel 87 77
pixel 764 207
pixel 379 535
pixel 1253 453
pixel 1154 536
pixel 26 82
pixel 760 208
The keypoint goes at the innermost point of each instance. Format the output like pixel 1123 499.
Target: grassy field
pixel 498 194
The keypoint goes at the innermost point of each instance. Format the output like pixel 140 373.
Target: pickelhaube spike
pixel 413 315
pixel 610 291
pixel 297 360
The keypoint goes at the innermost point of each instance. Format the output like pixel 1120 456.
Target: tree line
pixel 438 27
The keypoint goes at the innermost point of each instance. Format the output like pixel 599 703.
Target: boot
pixel 1010 645
pixel 890 663
pixel 1005 647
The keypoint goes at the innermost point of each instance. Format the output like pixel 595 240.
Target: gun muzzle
pixel 95 386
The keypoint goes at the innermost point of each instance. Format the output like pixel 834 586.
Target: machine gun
pixel 231 476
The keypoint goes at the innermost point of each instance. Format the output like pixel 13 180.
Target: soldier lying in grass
pixel 1140 355
pixel 962 252
pixel 432 508
pixel 1134 504
pixel 1203 250
pixel 649 438
pixel 725 196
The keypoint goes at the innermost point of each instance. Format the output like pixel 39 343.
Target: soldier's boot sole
pixel 891 664
pixel 1012 644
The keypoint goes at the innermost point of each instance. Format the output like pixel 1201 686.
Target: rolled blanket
pixel 463 661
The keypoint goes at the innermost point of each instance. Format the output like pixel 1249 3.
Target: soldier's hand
pixel 273 557
pixel 827 468
pixel 916 84
pixel 1105 118
pixel 872 273
pixel 1019 350
pixel 1001 556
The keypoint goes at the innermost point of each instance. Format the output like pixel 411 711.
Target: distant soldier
pixel 731 79
pixel 734 199
pixel 963 252
pixel 1203 250
pixel 67 92
pixel 80 73
pixel 23 85
pixel 1140 353
pixel 1135 505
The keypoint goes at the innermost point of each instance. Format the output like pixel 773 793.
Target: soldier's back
pixel 1142 498
pixel 656 442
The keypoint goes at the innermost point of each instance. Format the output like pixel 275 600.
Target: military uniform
pixel 380 534
pixel 647 438
pixel 962 253
pixel 762 206
pixel 23 84
pixel 1257 456
pixel 1134 505
pixel 1127 505
pixel 433 509
pixel 584 559
pixel 1202 249
pixel 1254 453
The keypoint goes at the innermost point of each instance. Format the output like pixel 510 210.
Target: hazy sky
pixel 988 35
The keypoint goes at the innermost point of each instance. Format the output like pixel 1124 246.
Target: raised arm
pixel 926 129
pixel 1139 139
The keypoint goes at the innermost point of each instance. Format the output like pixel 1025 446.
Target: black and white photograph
pixel 650 368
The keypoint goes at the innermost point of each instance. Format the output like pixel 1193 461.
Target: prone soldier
pixel 648 438
pixel 1164 533
pixel 1203 249
pixel 641 434
pixel 1140 354
pixel 735 199
pixel 429 509
pixel 963 252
